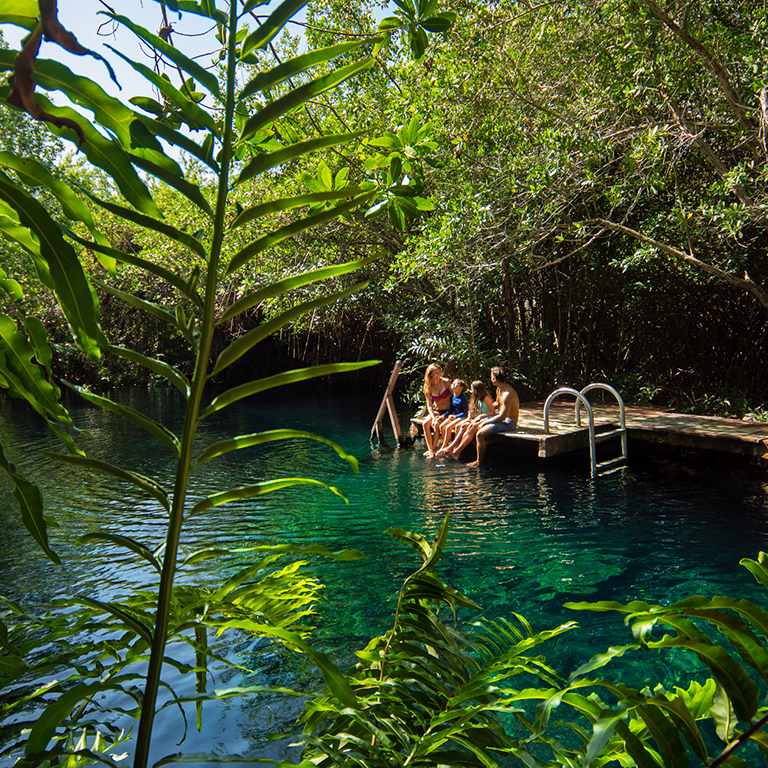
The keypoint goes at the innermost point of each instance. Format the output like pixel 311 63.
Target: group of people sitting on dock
pixel 452 421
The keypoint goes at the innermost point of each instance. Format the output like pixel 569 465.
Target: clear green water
pixel 522 539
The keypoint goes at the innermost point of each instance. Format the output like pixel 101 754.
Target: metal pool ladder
pixel 601 437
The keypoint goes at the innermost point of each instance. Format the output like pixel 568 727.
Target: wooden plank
pixel 553 444
pixel 393 420
pixel 710 435
pixel 386 405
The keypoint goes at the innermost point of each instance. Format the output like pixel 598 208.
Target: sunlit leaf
pixel 294 66
pixel 268 486
pixel 203 76
pixel 289 230
pixel 283 286
pixel 121 614
pixel 195 117
pixel 153 224
pixel 300 95
pixel 23 377
pixel 128 258
pixel 281 380
pixel 34 174
pixel 123 541
pixel 684 721
pixel 666 737
pixel 243 344
pixel 389 23
pixel 259 438
pixel 177 138
pixel 51 717
pixel 22 13
pixel 737 684
pixel 148 306
pixel 156 430
pixel 146 484
pixel 272 25
pixel 264 162
pixel 601 659
pixel 204 8
pixel 108 155
pixel 191 191
pixel 334 678
pixel 178 379
pixel 288 203
pixel 11 287
pixel 440 22
pixel 64 271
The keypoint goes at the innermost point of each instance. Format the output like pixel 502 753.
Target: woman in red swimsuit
pixel 437 392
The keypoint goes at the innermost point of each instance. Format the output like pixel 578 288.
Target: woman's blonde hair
pixel 432 368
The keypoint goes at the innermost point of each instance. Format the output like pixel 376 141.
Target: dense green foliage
pixel 182 238
pixel 601 214
pixel 432 692
pixel 599 205
pixel 591 185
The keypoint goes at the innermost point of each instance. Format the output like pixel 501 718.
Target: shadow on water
pixel 522 539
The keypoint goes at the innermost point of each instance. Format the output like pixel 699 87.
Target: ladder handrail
pixel 580 398
pixel 608 388
pixel 622 415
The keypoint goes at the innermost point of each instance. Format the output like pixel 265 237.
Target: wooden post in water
pixel 388 404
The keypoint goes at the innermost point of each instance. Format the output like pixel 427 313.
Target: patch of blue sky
pixel 192 34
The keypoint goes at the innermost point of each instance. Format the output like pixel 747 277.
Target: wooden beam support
pixel 388 405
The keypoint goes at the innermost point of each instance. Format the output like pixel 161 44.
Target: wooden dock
pixel 646 426
pixel 649 430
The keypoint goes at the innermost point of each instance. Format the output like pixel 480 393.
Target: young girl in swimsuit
pixel 437 393
pixel 481 406
pixel 457 414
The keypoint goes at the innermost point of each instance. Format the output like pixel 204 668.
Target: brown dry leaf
pixel 22 85
pixel 54 32
pixel 22 93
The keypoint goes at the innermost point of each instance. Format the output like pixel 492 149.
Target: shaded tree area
pixel 601 214
pixel 589 203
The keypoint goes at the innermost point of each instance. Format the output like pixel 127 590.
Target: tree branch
pixel 731 748
pixel 746 283
pixel 717 69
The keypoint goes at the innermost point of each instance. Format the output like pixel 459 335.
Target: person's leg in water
pixel 469 436
pixel 461 430
pixel 431 432
pixel 496 428
pixel 448 425
pixel 481 439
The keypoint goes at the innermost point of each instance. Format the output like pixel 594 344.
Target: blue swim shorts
pixel 503 426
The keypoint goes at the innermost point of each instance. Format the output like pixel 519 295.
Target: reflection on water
pixel 522 539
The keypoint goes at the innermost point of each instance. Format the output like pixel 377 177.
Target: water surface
pixel 523 538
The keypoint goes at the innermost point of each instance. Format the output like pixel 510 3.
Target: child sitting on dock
pixel 505 420
pixel 481 405
pixel 457 413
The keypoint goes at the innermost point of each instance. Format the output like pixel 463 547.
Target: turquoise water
pixel 522 538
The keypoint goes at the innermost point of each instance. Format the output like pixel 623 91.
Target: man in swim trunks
pixel 505 419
